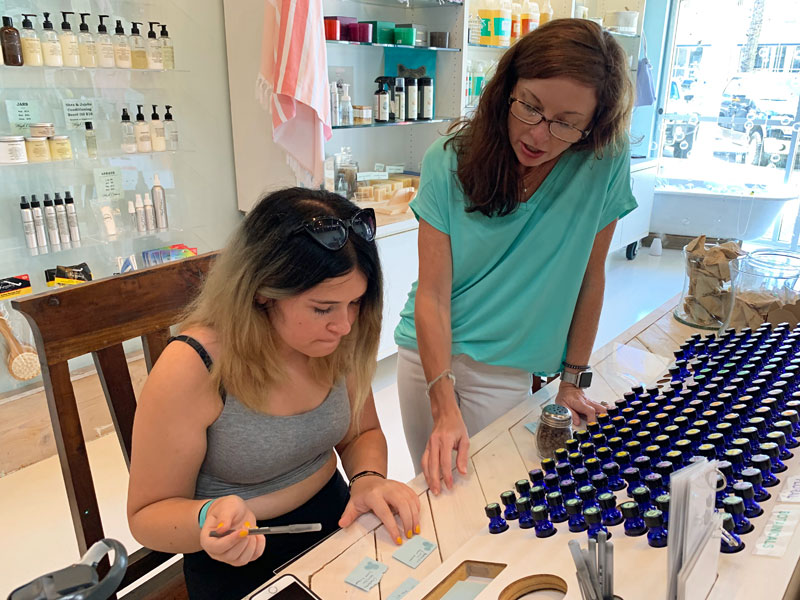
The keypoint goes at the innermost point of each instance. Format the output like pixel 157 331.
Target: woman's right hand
pixel 231 512
pixel 449 433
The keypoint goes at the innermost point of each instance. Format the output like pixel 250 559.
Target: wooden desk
pixel 503 453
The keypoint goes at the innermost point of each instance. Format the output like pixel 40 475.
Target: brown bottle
pixel 10 44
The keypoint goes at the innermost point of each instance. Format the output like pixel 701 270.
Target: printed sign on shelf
pixel 778 532
pixel 791 489
pixel 77 112
pixel 21 113
pixel 108 183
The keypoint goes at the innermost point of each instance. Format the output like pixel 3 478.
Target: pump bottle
pixel 122 48
pixel 346 106
pixel 167 49
pixel 72 219
pixel 138 49
pixel 11 44
pixel 61 220
pixel 142 132
pixel 51 47
pixel 155 60
pixel 31 46
pixel 157 137
pixel 170 130
pixel 27 223
pixel 128 133
pixel 381 107
pixel 105 46
pixel 69 42
pixel 86 44
pixel 149 213
pixel 38 225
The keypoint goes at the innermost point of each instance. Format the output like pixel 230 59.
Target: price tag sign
pixel 77 112
pixel 791 489
pixel 108 183
pixel 779 531
pixel 371 175
pixel 21 113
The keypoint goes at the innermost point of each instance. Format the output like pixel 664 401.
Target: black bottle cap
pixel 57 200
pixel 615 443
pixel 575 459
pixel 125 115
pixel 538 493
pixel 102 27
pixel 493 510
pixel 654 518
pixel 727 522
pixel 523 487
pixel 592 515
pixel 770 449
pixel 574 506
pixel 523 504
pixel 34 201
pixel 622 458
pixel 607 501
pixel 734 456
pixel 759 461
pixel 587 449
pixel 633 447
pixel 164 32
pixel 778 437
pixel 26 22
pixel 733 505
pixel 152 34
pixel 586 492
pixel 642 495
pixel 47 201
pixel 580 474
pixel 560 455
pixel 119 30
pixel 752 476
pixel 599 481
pixel 68 197
pixel 593 427
pixel 642 463
pixel 139 115
pixel 653 481
pixel 539 513
pixel 663 441
pixel 555 499
pixel 744 490
pixel 508 498
pixel 643 437
pixel 551 481
pixel 568 487
pixel 536 476
pixel 726 468
pixel 784 427
pixel 572 445
pixel 135 27
pixel 604 453
pixel 708 451
pixel 662 503
pixel 65 24
pixel 155 116
pixel 791 415
pixel 88 125
pixel 631 474
pixel 630 510
pixel 611 469
pixel 83 26
pixel 664 468
pixel 7 22
pixel 599 440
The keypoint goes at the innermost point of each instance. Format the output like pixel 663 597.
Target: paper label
pixel 532 427
pixel 367 574
pixel 791 489
pixel 21 113
pixel 77 112
pixel 402 590
pixel 13 287
pixel 778 533
pixel 414 551
pixel 395 169
pixel 108 183
pixel 368 175
pixel 380 167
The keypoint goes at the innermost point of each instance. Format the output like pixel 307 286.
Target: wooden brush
pixel 23 362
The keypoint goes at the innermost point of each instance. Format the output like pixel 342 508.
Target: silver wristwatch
pixel 581 380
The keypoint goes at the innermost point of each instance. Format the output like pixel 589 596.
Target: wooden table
pixel 503 453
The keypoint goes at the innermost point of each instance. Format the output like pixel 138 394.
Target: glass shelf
pixel 31 69
pixel 395 123
pixel 410 3
pixel 101 155
pixel 488 47
pixel 431 48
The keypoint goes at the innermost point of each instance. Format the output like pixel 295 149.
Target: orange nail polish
pixel 416 529
pixel 247 524
pixel 409 534
pixel 399 541
pixel 220 524
pixel 243 533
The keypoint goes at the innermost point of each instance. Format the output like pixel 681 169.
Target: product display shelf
pixel 397 123
pixel 407 3
pixel 85 161
pixel 429 48
pixel 488 46
pixel 45 68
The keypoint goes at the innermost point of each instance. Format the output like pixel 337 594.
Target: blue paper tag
pixel 414 551
pixel 532 427
pixel 401 591
pixel 367 574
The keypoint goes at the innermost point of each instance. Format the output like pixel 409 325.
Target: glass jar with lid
pixel 554 429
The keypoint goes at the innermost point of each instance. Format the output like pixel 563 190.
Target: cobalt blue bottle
pixel 631 476
pixel 555 504
pixel 609 513
pixel 594 522
pixel 642 497
pixel 524 510
pixel 785 427
pixel 509 500
pixel 643 464
pixel 576 521
pixel 655 484
pixel 523 487
pixel 587 494
pixel 549 465
pixel 779 439
pixel 600 483
pixel 536 476
pixel 544 528
pixel 568 489
pixel 581 476
pixel 746 492
pixel 496 522
pixel 634 523
pixel 662 504
pixel 615 482
pixel 771 449
pixel 736 457
pixel 793 417
pixel 538 496
pixel 735 507
pixel 735 544
pixel 656 531
pixel 753 476
pixel 551 482
pixel 721 493
pixel 593 465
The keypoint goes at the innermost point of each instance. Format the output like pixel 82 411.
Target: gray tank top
pixel 250 454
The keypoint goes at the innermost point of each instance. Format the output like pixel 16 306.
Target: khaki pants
pixel 483 392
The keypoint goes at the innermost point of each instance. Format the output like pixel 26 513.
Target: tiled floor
pixel 37 536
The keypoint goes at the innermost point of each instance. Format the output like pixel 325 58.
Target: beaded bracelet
pixel 446 373
pixel 364 474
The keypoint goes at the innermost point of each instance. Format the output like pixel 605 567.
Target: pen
pixel 297 528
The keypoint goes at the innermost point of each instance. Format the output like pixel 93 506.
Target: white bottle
pixel 51 223
pixel 38 224
pixel 157 137
pixel 141 220
pixel 86 44
pixel 160 204
pixel 72 219
pixel 170 130
pixel 142 132
pixel 61 219
pixel 69 42
pixel 108 220
pixel 51 47
pixel 167 49
pixel 346 106
pixel 336 111
pixel 122 48
pixel 27 222
pixel 105 46
pixel 128 133
pixel 138 47
pixel 132 214
pixel 504 32
pixel 149 213
pixel 31 46
pixel 155 60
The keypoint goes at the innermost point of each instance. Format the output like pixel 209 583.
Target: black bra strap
pixel 197 346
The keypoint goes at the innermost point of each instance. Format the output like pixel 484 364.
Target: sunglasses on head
pixel 332 232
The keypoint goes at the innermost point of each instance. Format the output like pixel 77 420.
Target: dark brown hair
pixel 575 48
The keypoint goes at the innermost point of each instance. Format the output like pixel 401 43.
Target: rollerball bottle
pixel 634 523
pixel 610 514
pixel 524 510
pixel 544 528
pixel 594 522
pixel 734 505
pixel 555 503
pixel 509 500
pixel 731 542
pixel 753 476
pixel 575 512
pixel 496 522
pixel 656 531
pixel 746 492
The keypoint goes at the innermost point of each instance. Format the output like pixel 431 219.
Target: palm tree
pixel 748 56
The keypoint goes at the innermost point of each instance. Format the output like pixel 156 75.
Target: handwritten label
pixel 77 112
pixel 791 489
pixel 395 168
pixel 21 113
pixel 778 533
pixel 369 175
pixel 379 167
pixel 108 183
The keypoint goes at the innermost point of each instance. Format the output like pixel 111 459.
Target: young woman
pixel 517 209
pixel 241 419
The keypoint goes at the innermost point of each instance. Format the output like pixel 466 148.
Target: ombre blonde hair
pixel 266 256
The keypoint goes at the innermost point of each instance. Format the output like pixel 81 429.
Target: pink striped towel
pixel 293 84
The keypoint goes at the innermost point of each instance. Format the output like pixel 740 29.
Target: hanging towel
pixel 645 89
pixel 293 84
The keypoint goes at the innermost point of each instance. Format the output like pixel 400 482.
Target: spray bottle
pixel 346 106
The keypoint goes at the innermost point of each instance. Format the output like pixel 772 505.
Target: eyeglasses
pixel 522 111
pixel 332 232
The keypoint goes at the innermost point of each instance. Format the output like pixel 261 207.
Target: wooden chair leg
pixel 72 455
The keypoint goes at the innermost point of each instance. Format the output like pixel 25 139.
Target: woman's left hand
pixel 384 497
pixel 579 405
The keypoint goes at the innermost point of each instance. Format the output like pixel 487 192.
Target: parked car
pixel 681 122
pixel 756 115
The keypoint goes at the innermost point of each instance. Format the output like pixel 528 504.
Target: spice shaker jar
pixel 555 428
